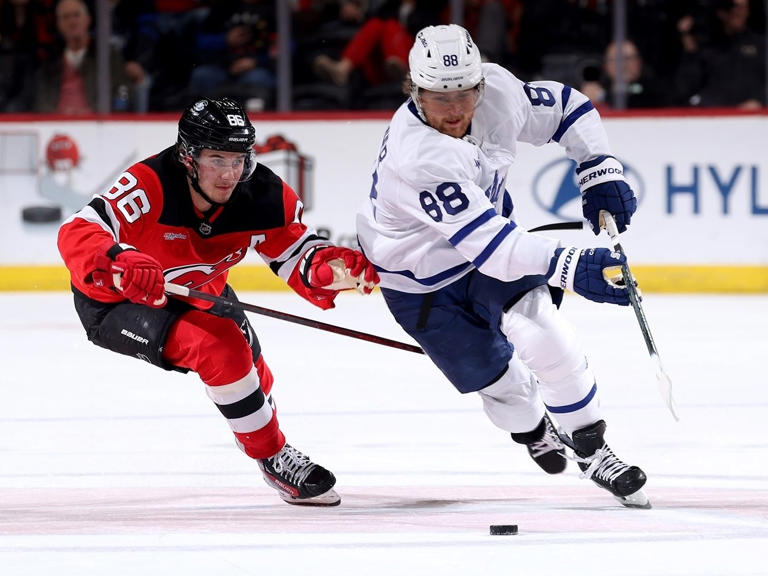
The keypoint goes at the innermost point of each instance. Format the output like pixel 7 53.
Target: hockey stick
pixel 665 384
pixel 178 290
pixel 578 225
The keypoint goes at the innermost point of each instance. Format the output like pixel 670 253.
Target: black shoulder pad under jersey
pixel 257 204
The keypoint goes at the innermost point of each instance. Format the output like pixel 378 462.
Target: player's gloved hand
pixel 324 271
pixel 603 187
pixel 339 268
pixel 594 273
pixel 136 275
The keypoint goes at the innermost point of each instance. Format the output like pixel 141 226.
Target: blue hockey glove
pixel 594 273
pixel 603 187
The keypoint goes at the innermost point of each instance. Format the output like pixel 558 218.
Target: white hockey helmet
pixel 444 59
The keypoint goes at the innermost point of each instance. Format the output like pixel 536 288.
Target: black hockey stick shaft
pixel 631 285
pixel 178 290
pixel 578 225
pixel 662 378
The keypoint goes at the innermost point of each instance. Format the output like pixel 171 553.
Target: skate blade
pixel 635 500
pixel 330 498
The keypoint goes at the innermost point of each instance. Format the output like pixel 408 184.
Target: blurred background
pixel 89 87
pixel 102 56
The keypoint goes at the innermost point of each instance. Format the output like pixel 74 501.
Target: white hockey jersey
pixel 437 207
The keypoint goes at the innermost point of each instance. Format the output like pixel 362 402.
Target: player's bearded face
pixel 219 172
pixel 449 112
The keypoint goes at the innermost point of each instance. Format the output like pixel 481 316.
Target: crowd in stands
pixel 353 54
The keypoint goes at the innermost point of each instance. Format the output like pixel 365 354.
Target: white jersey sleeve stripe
pixel 456 271
pixel 472 226
pixel 571 118
pixel 98 211
pixel 494 244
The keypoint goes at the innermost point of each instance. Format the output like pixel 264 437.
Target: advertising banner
pixel 702 184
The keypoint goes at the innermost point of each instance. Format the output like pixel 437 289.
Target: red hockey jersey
pixel 150 208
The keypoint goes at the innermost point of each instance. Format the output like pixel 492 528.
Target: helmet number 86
pixel 235 120
pixel 450 60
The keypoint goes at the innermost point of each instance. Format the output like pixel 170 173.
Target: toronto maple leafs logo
pixel 492 192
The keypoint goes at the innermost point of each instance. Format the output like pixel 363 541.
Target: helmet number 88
pixel 450 60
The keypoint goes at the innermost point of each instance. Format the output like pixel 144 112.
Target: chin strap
pixel 196 185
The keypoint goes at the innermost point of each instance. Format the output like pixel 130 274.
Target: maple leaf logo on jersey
pixel 196 275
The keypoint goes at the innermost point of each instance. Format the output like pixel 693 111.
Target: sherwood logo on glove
pixel 606 170
pixel 566 268
pixel 601 172
pixel 556 186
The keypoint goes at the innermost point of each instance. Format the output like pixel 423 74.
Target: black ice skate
pixel 298 480
pixel 598 462
pixel 544 446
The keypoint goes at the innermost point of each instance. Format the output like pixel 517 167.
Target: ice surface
pixel 109 466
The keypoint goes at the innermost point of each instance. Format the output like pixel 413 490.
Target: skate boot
pixel 598 463
pixel 544 446
pixel 298 480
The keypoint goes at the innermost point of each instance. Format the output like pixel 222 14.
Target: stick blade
pixel 665 386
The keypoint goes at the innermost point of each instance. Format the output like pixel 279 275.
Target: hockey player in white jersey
pixel 477 292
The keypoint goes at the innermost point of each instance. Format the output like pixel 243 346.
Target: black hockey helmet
pixel 216 124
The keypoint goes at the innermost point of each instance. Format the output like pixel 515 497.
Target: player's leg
pixel 225 353
pixel 513 404
pixel 518 387
pixel 216 349
pixel 456 334
pixel 548 345
pixel 297 479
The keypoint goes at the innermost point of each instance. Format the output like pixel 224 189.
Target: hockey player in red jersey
pixel 187 215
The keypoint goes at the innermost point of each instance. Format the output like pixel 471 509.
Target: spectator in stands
pixel 67 84
pixel 651 24
pixel 556 35
pixel 325 29
pixel 125 15
pixel 237 53
pixel 18 44
pixel 730 68
pixel 493 24
pixel 322 28
pixel 375 61
pixel 379 50
pixel 155 36
pixel 644 90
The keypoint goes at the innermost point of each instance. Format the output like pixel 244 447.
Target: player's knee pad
pixel 512 403
pixel 544 340
pixel 212 346
pixel 548 345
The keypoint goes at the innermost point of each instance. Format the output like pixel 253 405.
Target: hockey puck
pixel 503 529
pixel 41 214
